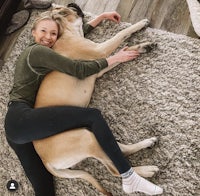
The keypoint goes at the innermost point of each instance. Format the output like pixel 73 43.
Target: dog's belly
pixel 68 153
pixel 62 89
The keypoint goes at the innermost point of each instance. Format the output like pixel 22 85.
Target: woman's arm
pixel 88 26
pixel 122 56
pixel 43 60
pixel 113 16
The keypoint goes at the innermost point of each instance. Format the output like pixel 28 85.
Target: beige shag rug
pixel 156 95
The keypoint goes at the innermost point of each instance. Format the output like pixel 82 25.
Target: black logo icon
pixel 12 185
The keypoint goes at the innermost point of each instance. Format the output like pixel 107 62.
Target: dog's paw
pixel 148 143
pixel 146 171
pixel 148 46
pixel 144 47
pixel 145 22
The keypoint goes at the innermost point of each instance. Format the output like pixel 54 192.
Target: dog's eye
pixel 62 13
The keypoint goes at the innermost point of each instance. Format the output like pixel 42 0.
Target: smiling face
pixel 46 32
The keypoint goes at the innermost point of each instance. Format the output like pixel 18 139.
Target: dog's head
pixel 63 11
pixel 76 8
pixel 71 17
pixel 71 11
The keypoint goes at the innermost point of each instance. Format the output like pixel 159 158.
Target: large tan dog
pixel 62 151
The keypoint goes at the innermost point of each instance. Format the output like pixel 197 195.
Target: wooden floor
pixel 169 15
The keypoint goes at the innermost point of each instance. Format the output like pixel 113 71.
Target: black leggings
pixel 24 124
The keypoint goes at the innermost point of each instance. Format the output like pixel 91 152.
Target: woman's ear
pixel 33 33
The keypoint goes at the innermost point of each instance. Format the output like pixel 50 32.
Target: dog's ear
pixel 77 9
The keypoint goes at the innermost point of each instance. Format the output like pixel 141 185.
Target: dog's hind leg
pixel 146 171
pixel 132 148
pixel 69 173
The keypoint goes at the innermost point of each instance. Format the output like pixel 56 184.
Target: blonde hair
pixel 48 15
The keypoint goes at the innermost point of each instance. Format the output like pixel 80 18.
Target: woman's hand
pixel 122 56
pixel 113 16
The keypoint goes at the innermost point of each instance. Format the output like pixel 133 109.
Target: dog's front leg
pixel 127 32
pixel 140 25
pixel 109 46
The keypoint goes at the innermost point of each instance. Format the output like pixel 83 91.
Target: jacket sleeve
pixel 44 60
pixel 87 28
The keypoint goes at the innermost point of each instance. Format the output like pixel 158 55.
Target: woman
pixel 23 123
